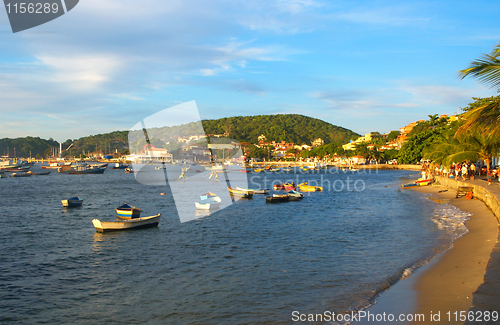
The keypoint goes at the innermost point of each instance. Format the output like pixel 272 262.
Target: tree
pixel 484 119
pixel 392 135
pixel 485 69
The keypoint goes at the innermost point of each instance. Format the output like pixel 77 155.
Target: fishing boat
pixel 119 166
pixel 72 202
pixel 136 223
pixel 275 198
pixel 295 196
pixel 82 169
pixel 255 191
pixel 127 212
pixel 210 203
pixel 18 169
pixel 40 174
pixel 27 174
pixel 303 187
pixel 53 165
pixel 239 193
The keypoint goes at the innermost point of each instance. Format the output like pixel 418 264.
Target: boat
pixel 287 169
pixel 277 198
pixel 40 174
pixel 303 187
pixel 126 211
pixel 136 223
pixel 82 169
pixel 244 170
pixel 130 171
pixel 274 169
pixel 119 166
pixel 255 191
pixel 211 203
pixel 207 195
pixel 258 170
pixel 295 196
pixel 53 165
pixel 27 174
pixel 419 182
pixel 17 169
pixel 72 202
pixel 285 186
pixel 240 193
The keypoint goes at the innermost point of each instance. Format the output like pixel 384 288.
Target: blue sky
pixel 364 65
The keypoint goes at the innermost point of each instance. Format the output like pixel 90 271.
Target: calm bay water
pixel 251 263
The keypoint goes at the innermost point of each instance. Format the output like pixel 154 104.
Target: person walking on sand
pixel 488 175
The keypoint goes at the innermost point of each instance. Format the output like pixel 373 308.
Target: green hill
pixel 294 128
pixel 26 147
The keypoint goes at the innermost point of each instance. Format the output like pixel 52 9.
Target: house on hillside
pixel 317 143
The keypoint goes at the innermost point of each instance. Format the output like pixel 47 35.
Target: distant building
pixel 318 142
pixel 352 145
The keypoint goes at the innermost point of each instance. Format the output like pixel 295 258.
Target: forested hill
pixel 294 128
pixel 26 147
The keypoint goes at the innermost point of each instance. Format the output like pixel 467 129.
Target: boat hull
pixel 72 203
pixel 137 223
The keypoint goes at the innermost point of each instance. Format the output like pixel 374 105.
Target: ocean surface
pixel 250 263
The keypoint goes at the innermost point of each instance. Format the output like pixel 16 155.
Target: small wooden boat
pixel 17 169
pixel 285 186
pixel 419 182
pixel 208 204
pixel 244 171
pixel 303 187
pixel 295 196
pixel 258 170
pixel 208 195
pixel 73 202
pixel 287 169
pixel 119 166
pixel 27 174
pixel 52 165
pixel 86 169
pixel 274 170
pixel 275 198
pixel 127 212
pixel 136 223
pixel 40 174
pixel 239 193
pixel 255 191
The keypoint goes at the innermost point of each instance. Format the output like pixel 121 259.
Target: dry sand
pixel 447 285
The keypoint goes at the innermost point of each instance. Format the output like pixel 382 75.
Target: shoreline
pixel 448 281
pixel 448 284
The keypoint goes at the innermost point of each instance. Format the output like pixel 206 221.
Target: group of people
pixel 465 170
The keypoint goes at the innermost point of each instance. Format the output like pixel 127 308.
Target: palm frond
pixel 486 69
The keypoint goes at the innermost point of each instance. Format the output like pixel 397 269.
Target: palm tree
pixel 484 119
pixel 486 69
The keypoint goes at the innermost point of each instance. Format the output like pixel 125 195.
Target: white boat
pixel 73 202
pixel 208 204
pixel 255 191
pixel 136 223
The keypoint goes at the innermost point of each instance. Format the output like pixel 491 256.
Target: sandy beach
pixel 447 285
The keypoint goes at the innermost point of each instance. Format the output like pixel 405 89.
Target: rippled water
pixel 251 263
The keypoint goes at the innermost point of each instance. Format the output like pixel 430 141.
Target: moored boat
pixel 27 174
pixel 72 202
pixel 419 182
pixel 277 198
pixel 210 203
pixel 40 174
pixel 136 223
pixel 240 193
pixel 119 166
pixel 83 169
pixel 255 191
pixel 126 211
pixel 285 186
pixel 295 196
pixel 303 187
pixel 258 170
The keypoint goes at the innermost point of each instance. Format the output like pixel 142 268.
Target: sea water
pixel 250 263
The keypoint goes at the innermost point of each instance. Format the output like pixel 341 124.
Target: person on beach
pixel 488 175
pixel 472 171
pixel 464 172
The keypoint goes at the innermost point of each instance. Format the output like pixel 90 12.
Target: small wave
pixel 451 221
